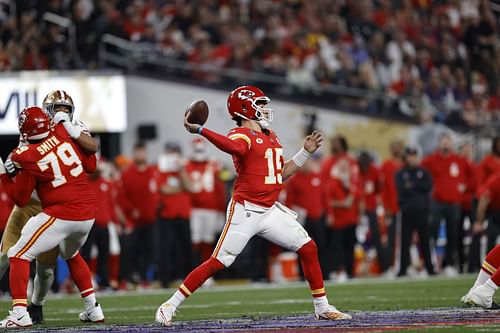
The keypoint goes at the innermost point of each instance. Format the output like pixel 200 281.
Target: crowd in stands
pixel 440 57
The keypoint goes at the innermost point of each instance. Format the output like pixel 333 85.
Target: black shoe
pixel 36 314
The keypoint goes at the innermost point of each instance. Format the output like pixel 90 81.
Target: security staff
pixel 414 185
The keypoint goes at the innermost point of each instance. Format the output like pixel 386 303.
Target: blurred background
pixel 381 79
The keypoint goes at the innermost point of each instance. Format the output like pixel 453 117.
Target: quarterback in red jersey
pixel 54 166
pixel 258 158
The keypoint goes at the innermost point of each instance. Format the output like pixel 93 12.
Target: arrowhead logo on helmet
pixel 248 102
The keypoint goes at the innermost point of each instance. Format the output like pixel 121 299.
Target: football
pixel 197 112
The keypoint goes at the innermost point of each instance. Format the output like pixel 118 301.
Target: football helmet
pixel 34 124
pixel 58 97
pixel 249 102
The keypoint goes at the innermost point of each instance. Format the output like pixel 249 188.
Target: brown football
pixel 197 112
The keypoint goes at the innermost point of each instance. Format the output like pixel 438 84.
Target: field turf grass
pixel 255 302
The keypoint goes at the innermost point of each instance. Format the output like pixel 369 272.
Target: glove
pixel 73 131
pixel 61 116
pixel 10 167
pixel 2 167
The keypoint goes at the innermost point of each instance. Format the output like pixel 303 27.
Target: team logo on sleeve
pixel 259 140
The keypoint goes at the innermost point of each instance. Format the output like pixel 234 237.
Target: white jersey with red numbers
pixel 260 170
pixel 56 167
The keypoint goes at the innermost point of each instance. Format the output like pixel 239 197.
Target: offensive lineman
pixel 59 103
pixel 254 210
pixel 55 166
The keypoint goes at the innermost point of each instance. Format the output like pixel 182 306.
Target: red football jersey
pixel 492 189
pixel 259 170
pixel 56 167
pixel 208 190
pixel 488 166
pixel 388 191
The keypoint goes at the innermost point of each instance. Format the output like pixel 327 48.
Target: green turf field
pixel 271 300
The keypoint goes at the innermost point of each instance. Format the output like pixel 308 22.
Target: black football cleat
pixel 36 314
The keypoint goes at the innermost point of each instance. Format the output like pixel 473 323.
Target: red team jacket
pixel 388 191
pixel 106 198
pixel 139 193
pixel 304 190
pixel 208 188
pixel 176 205
pixel 489 166
pixel 342 217
pixel 470 186
pixel 56 168
pixel 370 187
pixel 492 188
pixel 448 176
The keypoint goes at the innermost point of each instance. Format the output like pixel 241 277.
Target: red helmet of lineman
pixel 248 102
pixel 34 124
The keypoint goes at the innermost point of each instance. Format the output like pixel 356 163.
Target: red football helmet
pixel 34 124
pixel 248 102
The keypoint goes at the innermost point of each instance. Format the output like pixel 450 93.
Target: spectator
pixel 448 173
pixel 489 205
pixel 414 185
pixel 175 258
pixel 490 164
pixel 370 197
pixel 99 234
pixel 389 194
pixel 305 195
pixel 342 197
pixel 140 191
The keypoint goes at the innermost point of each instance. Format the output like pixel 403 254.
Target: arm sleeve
pixel 20 188
pixel 230 146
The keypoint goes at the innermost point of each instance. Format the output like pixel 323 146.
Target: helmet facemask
pixel 263 115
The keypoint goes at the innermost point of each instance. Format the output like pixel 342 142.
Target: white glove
pixel 10 167
pixel 2 167
pixel 85 129
pixel 61 116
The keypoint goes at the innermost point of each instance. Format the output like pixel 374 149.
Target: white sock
pixel 4 264
pixel 491 286
pixel 482 277
pixel 177 298
pixel 43 281
pixel 320 304
pixel 19 310
pixel 89 301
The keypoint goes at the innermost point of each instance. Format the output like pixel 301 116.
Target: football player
pixel 207 198
pixel 53 165
pixel 60 108
pixel 258 158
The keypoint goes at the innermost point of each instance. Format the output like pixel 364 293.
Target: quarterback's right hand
pixel 190 127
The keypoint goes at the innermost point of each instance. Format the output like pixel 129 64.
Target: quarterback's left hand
pixel 313 141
